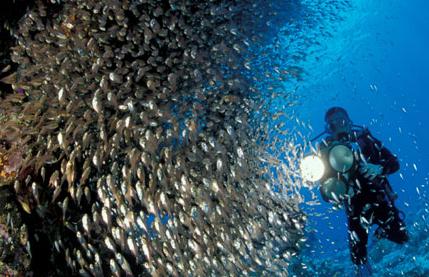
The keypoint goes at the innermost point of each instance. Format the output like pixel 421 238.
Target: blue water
pixel 375 63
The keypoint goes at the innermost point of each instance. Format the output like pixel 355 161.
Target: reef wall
pixel 132 135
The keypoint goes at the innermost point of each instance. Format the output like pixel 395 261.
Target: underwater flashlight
pixel 333 166
pixel 333 189
pixel 342 165
pixel 341 158
pixel 312 168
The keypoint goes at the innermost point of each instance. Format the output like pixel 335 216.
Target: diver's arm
pixel 390 162
pixel 382 156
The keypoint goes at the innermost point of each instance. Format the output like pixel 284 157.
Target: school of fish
pixel 137 143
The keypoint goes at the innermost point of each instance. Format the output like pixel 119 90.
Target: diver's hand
pixel 363 270
pixel 370 170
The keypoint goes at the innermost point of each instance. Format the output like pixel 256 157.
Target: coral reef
pixel 386 258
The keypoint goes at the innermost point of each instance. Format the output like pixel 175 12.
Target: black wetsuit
pixel 372 202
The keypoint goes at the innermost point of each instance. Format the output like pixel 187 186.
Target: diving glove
pixel 370 170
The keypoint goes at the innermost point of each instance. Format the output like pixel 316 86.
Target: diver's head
pixel 338 122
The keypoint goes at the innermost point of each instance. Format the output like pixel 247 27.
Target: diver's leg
pixel 358 238
pixel 387 217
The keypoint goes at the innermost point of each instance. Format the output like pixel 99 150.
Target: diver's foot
pixel 363 270
pixel 380 233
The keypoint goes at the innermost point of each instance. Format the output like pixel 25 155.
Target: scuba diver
pixel 357 179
